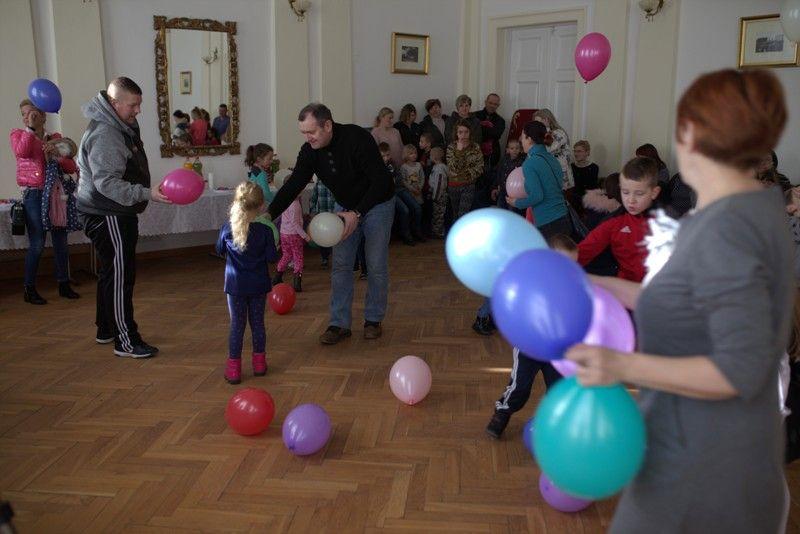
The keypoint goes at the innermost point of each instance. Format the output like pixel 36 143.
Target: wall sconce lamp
pixel 212 57
pixel 300 7
pixel 650 8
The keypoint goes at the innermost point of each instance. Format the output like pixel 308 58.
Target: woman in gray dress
pixel 712 323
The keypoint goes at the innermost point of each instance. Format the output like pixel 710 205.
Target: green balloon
pixel 590 441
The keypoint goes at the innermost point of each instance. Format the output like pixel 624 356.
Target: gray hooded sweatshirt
pixel 115 179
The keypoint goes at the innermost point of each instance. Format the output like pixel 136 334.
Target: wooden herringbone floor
pixel 94 443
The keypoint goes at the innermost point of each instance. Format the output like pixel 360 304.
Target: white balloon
pixel 326 229
pixel 790 19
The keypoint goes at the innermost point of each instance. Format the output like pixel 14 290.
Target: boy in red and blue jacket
pixel 625 232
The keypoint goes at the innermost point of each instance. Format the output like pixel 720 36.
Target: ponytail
pixel 247 202
pixel 254 152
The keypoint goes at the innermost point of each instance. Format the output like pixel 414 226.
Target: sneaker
pixel 408 241
pixel 148 346
pixel 498 424
pixel 334 334
pixel 137 351
pixel 372 330
pixel 481 326
pixel 66 291
pixel 325 263
pixel 490 323
pixel 103 338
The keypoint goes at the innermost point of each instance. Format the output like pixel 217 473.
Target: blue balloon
pixel 482 242
pixel 45 95
pixel 527 436
pixel 589 441
pixel 542 303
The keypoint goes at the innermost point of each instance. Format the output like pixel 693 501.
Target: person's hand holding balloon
pixel 511 201
pixel 158 196
pixel 598 366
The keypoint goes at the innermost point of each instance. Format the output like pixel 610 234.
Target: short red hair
pixel 738 116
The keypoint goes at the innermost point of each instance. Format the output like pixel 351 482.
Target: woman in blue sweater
pixel 543 180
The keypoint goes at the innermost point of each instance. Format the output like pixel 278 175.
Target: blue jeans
pixel 410 213
pixel 376 228
pixel 32 201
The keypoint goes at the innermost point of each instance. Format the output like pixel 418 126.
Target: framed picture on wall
pixel 186 82
pixel 410 53
pixel 763 44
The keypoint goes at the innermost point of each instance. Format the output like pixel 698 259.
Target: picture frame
pixel 186 82
pixel 410 53
pixel 762 43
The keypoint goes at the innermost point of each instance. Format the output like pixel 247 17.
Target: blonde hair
pixel 551 119
pixel 409 150
pixel 247 202
pixel 381 114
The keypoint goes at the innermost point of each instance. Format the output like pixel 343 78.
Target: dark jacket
pixel 246 271
pixel 409 134
pixel 115 178
pixel 350 166
pixel 492 134
pixel 428 126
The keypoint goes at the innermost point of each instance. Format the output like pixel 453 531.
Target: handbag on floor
pixel 17 218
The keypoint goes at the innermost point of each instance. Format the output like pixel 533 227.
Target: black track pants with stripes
pixel 114 239
pixel 519 386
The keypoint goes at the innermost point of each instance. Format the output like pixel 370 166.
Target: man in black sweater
pixel 346 159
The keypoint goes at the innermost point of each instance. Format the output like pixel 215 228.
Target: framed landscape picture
pixel 410 53
pixel 186 82
pixel 763 44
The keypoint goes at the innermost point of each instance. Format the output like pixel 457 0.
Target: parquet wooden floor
pixel 94 443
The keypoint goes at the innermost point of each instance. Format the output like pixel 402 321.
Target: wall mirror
pixel 197 85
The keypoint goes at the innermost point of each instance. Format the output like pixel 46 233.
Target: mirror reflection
pixel 199 87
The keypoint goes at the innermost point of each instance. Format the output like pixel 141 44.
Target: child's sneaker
pixel 233 371
pixel 498 424
pixel 259 364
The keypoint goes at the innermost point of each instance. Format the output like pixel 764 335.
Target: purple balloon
pixel 306 429
pixel 542 303
pixel 592 55
pixel 611 328
pixel 45 95
pixel 558 499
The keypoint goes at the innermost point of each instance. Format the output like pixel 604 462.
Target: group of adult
pixel 712 324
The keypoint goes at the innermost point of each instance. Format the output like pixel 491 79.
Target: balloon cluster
pixel 306 429
pixel 589 441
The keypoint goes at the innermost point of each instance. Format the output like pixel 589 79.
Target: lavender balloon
pixel 527 436
pixel 611 327
pixel 306 429
pixel 558 499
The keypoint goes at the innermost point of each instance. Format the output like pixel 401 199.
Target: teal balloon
pixel 312 244
pixel 482 242
pixel 590 441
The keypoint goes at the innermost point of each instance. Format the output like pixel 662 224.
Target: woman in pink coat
pixel 30 147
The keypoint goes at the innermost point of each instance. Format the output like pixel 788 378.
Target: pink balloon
pixel 410 379
pixel 515 184
pixel 611 327
pixel 182 186
pixel 592 55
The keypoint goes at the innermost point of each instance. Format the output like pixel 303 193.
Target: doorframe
pixel 496 50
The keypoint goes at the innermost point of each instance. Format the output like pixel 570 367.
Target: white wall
pixel 708 39
pixel 374 86
pixel 185 48
pixel 128 37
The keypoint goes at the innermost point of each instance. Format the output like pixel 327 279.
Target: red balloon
pixel 182 186
pixel 250 411
pixel 282 298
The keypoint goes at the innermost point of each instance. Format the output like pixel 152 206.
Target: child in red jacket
pixel 625 233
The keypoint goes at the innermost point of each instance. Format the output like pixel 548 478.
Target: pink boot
pixel 259 364
pixel 233 370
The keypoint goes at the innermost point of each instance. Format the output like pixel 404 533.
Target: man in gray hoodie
pixel 114 188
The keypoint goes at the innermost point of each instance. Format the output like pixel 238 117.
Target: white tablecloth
pixel 209 212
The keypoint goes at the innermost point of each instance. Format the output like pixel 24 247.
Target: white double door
pixel 540 69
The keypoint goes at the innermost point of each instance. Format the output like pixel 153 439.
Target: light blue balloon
pixel 482 242
pixel 590 441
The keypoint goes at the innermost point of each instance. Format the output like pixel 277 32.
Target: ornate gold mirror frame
pixel 168 150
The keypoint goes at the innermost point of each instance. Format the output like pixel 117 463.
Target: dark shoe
pixel 362 276
pixel 334 334
pixel 148 346
pixel 233 370
pixel 420 238
pixel 408 241
pixel 325 263
pixel 278 279
pixel 32 296
pixel 481 326
pixel 372 330
pixel 490 323
pixel 66 291
pixel 136 351
pixel 297 283
pixel 104 338
pixel 498 424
